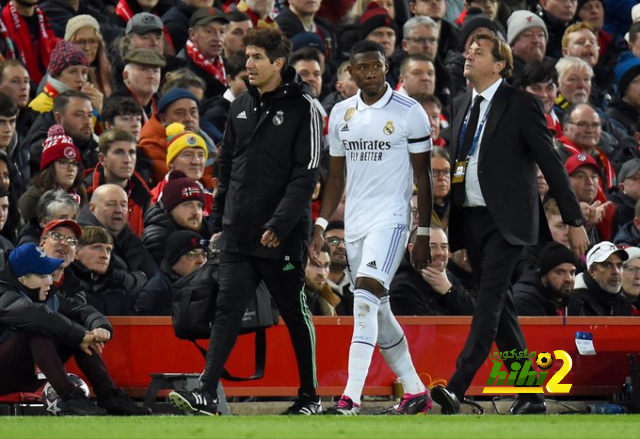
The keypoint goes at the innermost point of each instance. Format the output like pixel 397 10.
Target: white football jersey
pixel 376 141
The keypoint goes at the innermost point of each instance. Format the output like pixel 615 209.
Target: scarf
pixel 27 43
pixel 215 69
pixel 258 23
pixel 10 49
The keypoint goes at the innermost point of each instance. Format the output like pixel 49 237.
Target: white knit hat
pixel 78 22
pixel 635 16
pixel 520 21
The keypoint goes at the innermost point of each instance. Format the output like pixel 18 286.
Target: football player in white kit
pixel 378 136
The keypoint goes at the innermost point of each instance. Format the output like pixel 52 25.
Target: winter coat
pixel 268 170
pixel 410 295
pixel 155 297
pixel 128 252
pixel 531 298
pixel 158 226
pixel 591 300
pixel 60 318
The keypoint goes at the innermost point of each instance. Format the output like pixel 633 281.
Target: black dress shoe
pixel 447 400
pixel 524 407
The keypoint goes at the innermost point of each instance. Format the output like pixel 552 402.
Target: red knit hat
pixel 375 16
pixel 57 146
pixel 179 189
pixel 64 55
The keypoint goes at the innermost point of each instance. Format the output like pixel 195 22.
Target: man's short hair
pixel 425 99
pixel 115 135
pixel 344 68
pixel 51 201
pixel 567 63
pixel 94 235
pixel 61 101
pixel 120 106
pixel 500 51
pixel 364 46
pixel 182 78
pixel 8 107
pixel 575 27
pixel 417 21
pixel 442 153
pixel 305 54
pixel 551 207
pixel 537 71
pixel 10 63
pixel 566 118
pixel 333 225
pixel 236 64
pixel 273 41
pixel 414 57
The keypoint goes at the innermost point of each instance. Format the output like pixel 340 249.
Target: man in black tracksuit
pixel 268 171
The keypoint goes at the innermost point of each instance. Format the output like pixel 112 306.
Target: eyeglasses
pixel 423 41
pixel 584 125
pixel 59 237
pixel 632 269
pixel 334 241
pixel 441 172
pixel 65 163
pixel 195 254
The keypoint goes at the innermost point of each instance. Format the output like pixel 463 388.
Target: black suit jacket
pixel 515 138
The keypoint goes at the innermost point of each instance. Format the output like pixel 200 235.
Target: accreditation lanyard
pixel 476 137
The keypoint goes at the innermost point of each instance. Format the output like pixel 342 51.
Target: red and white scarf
pixel 18 31
pixel 215 69
pixel 10 48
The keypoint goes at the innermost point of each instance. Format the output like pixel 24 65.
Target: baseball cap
pixel 203 16
pixel 77 230
pixel 144 22
pixel 578 160
pixel 601 252
pixel 31 259
pixel 633 252
pixel 629 168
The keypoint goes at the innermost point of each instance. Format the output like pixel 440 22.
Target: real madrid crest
pixel 278 119
pixel 349 114
pixel 388 129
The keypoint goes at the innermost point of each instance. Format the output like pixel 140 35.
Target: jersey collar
pixel 384 100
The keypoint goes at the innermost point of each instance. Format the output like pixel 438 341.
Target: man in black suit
pixel 496 143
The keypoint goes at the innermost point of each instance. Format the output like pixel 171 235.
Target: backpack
pixel 193 309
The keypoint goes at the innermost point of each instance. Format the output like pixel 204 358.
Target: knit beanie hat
pixel 474 19
pixel 628 68
pixel 552 255
pixel 374 17
pixel 64 55
pixel 174 95
pixel 78 22
pixel 180 189
pixel 179 139
pixel 57 146
pixel 581 4
pixel 520 21
pixel 181 242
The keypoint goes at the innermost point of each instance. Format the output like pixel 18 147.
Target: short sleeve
pixel 336 149
pixel 418 130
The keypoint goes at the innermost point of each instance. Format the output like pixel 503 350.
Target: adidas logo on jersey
pixel 242 115
pixel 345 128
pixel 373 265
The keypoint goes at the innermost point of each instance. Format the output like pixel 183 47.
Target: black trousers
pixel 239 278
pixel 21 352
pixel 493 260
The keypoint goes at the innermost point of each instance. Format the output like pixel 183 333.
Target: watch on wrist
pixel 577 223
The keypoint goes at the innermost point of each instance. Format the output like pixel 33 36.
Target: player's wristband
pixel 423 231
pixel 322 223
